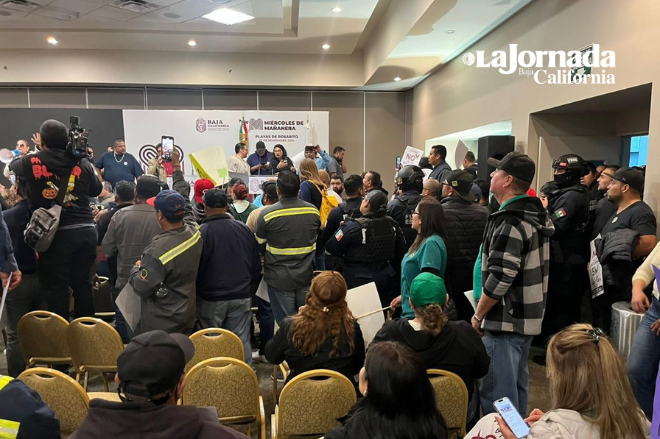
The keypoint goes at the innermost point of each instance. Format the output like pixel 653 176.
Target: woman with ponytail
pixel 323 335
pixel 370 248
pixel 441 344
pixel 591 395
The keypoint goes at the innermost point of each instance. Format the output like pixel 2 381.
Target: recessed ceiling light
pixel 397 79
pixel 450 31
pixel 325 46
pixel 192 43
pixel 171 15
pixel 336 9
pixel 52 40
pixel 228 16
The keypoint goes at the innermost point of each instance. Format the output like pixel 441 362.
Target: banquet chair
pixel 213 343
pixel 61 393
pixel 311 403
pixel 42 336
pixel 232 387
pixel 451 396
pixel 94 346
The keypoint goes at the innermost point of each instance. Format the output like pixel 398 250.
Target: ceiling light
pixel 325 46
pixel 228 16
pixel 336 9
pixel 192 43
pixel 397 79
pixel 52 40
pixel 450 31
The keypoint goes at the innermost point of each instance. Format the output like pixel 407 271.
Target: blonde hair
pixel 588 376
pixel 309 172
pixel 433 318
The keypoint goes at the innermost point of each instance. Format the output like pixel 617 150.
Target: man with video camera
pixel 69 259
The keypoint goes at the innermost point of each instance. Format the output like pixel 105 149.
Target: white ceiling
pixel 280 26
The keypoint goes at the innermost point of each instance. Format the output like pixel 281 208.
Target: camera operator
pixel 69 259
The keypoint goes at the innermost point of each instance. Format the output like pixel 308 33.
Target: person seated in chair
pixel 150 381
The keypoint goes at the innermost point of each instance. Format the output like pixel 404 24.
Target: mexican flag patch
pixel 339 235
pixel 560 213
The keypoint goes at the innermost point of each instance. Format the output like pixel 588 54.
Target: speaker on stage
pixel 492 146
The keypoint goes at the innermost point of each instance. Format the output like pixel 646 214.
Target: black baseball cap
pixel 261 145
pixel 310 147
pixel 147 186
pixel 461 181
pixel 153 363
pixel 216 198
pixel 269 187
pixel 517 165
pixel 630 176
pixel 170 203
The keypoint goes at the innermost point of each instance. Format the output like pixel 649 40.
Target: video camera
pixel 77 138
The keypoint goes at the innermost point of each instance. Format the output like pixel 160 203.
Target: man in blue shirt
pixel 119 165
pixel 323 159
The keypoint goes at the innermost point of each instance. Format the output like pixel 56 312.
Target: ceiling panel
pixel 112 13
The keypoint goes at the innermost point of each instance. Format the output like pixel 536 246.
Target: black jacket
pixel 144 420
pixel 458 348
pixel 569 212
pixel 347 362
pixel 400 209
pixel 465 223
pixel 604 211
pixel 615 256
pixel 230 264
pixel 17 219
pixel 43 172
pixel 348 209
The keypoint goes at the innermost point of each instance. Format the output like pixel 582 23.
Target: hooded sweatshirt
pixel 515 261
pixel 144 420
pixel 458 348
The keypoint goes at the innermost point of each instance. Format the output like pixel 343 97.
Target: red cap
pixel 202 185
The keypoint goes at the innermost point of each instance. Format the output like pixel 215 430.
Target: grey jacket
pixel 165 280
pixel 130 231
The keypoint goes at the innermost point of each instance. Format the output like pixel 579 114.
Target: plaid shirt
pixel 515 265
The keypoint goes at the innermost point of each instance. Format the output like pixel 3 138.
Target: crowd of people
pixel 474 268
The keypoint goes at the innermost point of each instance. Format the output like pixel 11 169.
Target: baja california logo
pixel 580 65
pixel 200 125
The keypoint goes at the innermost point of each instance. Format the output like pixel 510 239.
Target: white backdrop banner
pixel 195 130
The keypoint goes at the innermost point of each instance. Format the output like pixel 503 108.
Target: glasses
pixel 416 213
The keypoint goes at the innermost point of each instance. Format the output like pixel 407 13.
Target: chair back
pixel 311 403
pixel 229 385
pixel 214 343
pixel 42 336
pixel 451 396
pixel 61 393
pixel 93 344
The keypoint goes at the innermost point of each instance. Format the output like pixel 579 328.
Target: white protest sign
pixel 130 306
pixel 595 271
pixel 365 300
pixel 256 182
pixel 411 156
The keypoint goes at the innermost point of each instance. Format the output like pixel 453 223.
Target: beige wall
pixel 61 66
pixel 459 97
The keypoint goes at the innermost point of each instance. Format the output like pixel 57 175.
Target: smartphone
pixel 398 162
pixel 511 416
pixel 167 142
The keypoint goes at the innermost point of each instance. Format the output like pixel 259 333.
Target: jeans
pixel 508 374
pixel 232 315
pixel 25 298
pixel 286 303
pixel 68 263
pixel 643 360
pixel 120 322
pixel 266 324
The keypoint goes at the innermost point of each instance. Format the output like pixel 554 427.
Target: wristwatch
pixel 477 318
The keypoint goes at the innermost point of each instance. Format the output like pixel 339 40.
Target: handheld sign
pixel 411 156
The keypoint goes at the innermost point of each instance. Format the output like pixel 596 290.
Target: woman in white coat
pixel 591 395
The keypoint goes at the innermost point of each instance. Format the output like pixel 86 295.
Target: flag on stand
pixel 243 132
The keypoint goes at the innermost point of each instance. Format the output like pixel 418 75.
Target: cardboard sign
pixel 210 163
pixel 411 156
pixel 364 301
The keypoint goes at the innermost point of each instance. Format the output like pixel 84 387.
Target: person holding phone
pixel 591 396
pixel 259 161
